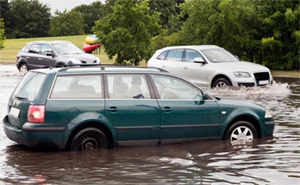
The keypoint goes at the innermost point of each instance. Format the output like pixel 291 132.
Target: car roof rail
pixel 130 66
pixel 103 66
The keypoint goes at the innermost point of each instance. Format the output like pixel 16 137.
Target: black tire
pixel 241 132
pixel 89 139
pixel 221 82
pixel 23 68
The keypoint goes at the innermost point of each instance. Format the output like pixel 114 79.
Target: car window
pixel 175 55
pixel 35 48
pixel 219 55
pixel 67 48
pixel 45 48
pixel 77 87
pixel 162 55
pixel 29 87
pixel 173 88
pixel 128 86
pixel 191 54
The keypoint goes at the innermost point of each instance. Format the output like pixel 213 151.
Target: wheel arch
pixel 215 78
pixel 248 118
pixel 93 124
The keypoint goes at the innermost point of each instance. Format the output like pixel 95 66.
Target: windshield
pixel 67 48
pixel 29 86
pixel 219 55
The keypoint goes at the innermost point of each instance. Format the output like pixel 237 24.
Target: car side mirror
pixel 199 60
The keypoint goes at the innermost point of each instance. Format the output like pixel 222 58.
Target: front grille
pixel 246 84
pixel 261 77
pixel 84 62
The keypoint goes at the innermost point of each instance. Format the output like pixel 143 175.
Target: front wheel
pixel 241 132
pixel 89 139
pixel 221 82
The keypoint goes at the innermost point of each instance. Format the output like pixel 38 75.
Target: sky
pixel 61 5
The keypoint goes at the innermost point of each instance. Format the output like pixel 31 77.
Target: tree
pixel 28 19
pixel 66 23
pixel 126 33
pixel 2 34
pixel 169 13
pixel 90 14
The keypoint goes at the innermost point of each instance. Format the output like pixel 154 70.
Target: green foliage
pixel 126 33
pixel 169 13
pixel 90 14
pixel 67 23
pixel 2 34
pixel 164 39
pixel 27 18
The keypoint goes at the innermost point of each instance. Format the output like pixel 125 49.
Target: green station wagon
pixel 87 108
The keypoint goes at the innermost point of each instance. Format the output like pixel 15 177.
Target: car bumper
pixel 268 127
pixel 33 135
pixel 250 82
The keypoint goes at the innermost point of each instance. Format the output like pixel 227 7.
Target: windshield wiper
pixel 20 98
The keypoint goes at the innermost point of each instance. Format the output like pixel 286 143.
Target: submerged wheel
pixel 221 82
pixel 23 68
pixel 241 132
pixel 89 139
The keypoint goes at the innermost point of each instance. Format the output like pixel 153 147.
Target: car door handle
pixel 27 57
pixel 185 68
pixel 40 58
pixel 112 109
pixel 163 66
pixel 166 109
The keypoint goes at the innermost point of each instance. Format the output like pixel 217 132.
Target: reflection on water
pixel 271 160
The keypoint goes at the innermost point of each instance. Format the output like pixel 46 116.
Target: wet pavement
pixel 272 160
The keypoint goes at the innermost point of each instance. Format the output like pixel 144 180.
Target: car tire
pixel 241 132
pixel 23 68
pixel 89 139
pixel 221 82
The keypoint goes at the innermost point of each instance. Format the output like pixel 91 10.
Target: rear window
pixel 29 86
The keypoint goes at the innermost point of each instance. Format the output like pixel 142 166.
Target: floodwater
pixel 272 160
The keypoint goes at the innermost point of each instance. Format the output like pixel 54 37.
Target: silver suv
pixel 210 66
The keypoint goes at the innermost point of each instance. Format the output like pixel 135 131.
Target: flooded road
pixel 272 160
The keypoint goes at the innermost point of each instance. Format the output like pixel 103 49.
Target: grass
pixel 13 46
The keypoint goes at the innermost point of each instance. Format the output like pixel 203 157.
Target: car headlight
pixel 75 60
pixel 268 114
pixel 240 74
pixel 97 60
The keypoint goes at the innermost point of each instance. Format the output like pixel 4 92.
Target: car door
pixel 195 72
pixel 44 59
pixel 33 55
pixel 131 109
pixel 184 113
pixel 172 61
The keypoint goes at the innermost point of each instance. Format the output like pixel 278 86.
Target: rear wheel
pixel 23 68
pixel 241 132
pixel 221 82
pixel 89 139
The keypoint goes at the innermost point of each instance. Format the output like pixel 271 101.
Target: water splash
pixel 277 89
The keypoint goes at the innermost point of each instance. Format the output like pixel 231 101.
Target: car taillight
pixel 36 114
pixel 147 64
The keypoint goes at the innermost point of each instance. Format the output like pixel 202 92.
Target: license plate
pixel 263 82
pixel 15 112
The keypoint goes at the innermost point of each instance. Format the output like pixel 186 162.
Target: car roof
pixel 100 69
pixel 49 42
pixel 197 47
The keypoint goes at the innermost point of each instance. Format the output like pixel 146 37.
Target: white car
pixel 210 66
